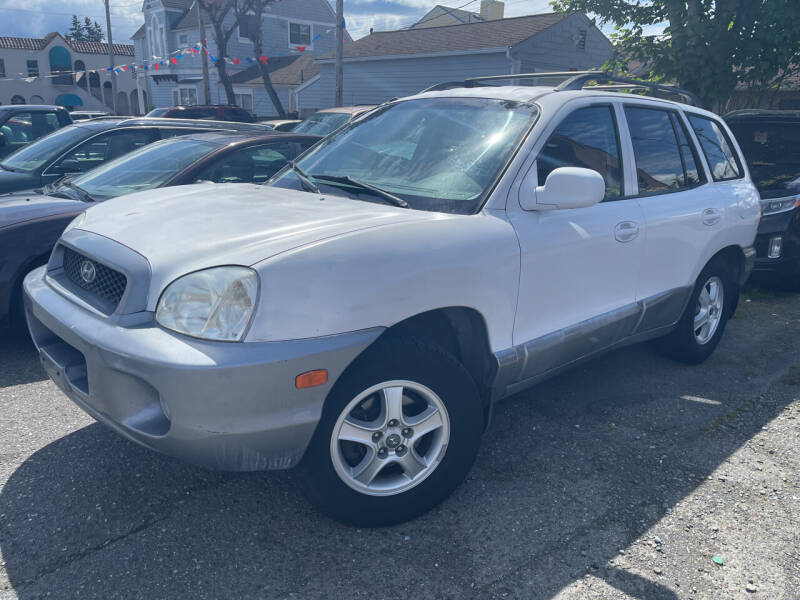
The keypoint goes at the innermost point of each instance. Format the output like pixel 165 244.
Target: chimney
pixel 491 10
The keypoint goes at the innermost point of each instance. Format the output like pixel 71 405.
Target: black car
pixel 82 146
pixel 31 223
pixel 770 141
pixel 20 124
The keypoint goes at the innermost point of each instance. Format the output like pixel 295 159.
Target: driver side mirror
pixel 566 187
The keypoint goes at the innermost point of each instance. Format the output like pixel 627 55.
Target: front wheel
pixel 703 322
pixel 398 433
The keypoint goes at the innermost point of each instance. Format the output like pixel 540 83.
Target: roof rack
pixel 577 80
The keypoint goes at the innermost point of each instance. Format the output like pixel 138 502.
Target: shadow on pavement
pixel 18 359
pixel 569 473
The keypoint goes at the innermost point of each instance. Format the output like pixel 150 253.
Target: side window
pixel 19 128
pixel 105 147
pixel 691 162
pixel 251 165
pixel 586 138
pixel 721 157
pixel 661 161
pixel 51 122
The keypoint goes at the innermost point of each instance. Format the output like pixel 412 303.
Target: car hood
pixel 28 206
pixel 185 228
pixel 12 181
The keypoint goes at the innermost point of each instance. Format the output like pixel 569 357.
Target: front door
pixel 579 267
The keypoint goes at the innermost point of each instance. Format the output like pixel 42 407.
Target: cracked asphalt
pixel 629 477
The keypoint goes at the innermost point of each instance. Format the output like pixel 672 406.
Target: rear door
pixel 682 211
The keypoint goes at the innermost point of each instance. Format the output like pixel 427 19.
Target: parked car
pixel 33 221
pixel 214 112
pixel 770 141
pixel 359 316
pixel 281 124
pixel 330 119
pixel 85 115
pixel 20 124
pixel 85 145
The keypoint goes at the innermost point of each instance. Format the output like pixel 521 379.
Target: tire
pixel 692 345
pixel 436 389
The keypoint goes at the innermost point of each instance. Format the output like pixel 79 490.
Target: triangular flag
pixel 263 59
pixel 236 61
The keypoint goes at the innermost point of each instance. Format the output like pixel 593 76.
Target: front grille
pixel 105 283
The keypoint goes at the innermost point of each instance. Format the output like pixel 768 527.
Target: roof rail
pixel 577 80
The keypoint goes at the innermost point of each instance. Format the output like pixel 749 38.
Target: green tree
pixel 707 46
pixel 93 30
pixel 76 31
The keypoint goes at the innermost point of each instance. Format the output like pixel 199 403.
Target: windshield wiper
pixel 307 184
pixel 82 193
pixel 347 180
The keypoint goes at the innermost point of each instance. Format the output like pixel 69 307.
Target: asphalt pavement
pixel 629 477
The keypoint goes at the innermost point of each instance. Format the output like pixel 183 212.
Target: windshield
pixel 322 123
pixel 157 112
pixel 438 154
pixel 36 154
pixel 145 169
pixel 772 151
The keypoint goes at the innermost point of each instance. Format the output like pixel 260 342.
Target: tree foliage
pixel 88 31
pixel 708 46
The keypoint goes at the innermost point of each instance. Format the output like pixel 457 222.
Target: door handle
pixel 626 231
pixel 711 216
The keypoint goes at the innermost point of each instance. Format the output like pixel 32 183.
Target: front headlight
pixel 75 222
pixel 215 303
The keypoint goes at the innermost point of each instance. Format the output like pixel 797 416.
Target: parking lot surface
pixel 629 477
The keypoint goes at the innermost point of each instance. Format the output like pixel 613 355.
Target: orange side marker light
pixel 311 379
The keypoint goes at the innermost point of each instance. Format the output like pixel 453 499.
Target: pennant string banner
pixel 170 60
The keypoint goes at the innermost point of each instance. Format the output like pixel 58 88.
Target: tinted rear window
pixel 772 151
pixel 722 159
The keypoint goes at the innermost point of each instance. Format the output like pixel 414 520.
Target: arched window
pixel 108 95
pixel 80 73
pixel 135 103
pixel 36 99
pixel 122 104
pixel 17 99
pixel 60 62
pixel 155 39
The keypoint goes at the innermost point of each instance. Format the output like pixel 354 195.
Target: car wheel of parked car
pixel 704 319
pixel 399 432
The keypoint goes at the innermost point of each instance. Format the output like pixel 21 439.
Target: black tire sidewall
pixel 396 359
pixel 684 344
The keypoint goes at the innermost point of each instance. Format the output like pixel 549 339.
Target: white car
pixel 359 316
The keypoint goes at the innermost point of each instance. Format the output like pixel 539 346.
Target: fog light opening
pixel 775 245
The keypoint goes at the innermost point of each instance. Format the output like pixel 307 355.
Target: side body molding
pixel 528 363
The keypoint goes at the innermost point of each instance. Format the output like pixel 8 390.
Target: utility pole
pixel 203 55
pixel 111 59
pixel 339 49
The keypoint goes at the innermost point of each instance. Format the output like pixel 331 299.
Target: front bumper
pixel 220 405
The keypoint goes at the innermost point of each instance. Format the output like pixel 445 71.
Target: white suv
pixel 359 316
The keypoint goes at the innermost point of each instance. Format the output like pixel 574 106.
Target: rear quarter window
pixel 717 147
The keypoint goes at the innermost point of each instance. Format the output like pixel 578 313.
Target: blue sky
pixel 34 18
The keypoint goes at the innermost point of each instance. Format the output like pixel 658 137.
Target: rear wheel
pixel 398 433
pixel 705 317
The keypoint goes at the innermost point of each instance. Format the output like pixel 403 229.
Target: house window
pixel 184 96
pixel 580 41
pixel 299 34
pixel 244 98
pixel 183 39
pixel 33 68
pixel 2 68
